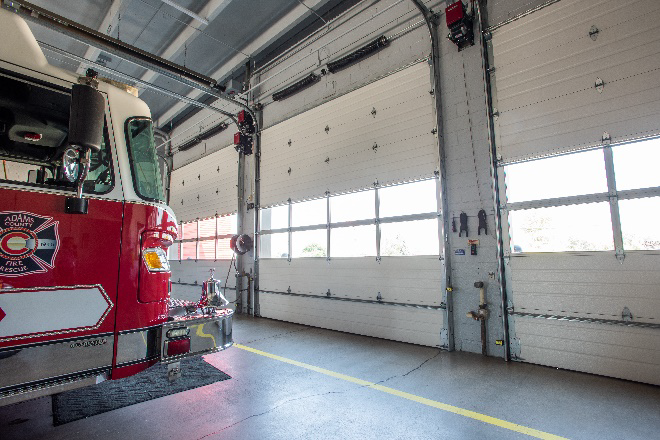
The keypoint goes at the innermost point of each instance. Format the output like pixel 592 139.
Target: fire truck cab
pixel 84 233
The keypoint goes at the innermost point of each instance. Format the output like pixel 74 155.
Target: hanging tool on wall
pixel 481 315
pixel 453 222
pixel 482 222
pixel 464 225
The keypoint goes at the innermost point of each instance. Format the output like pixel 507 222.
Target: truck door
pixel 58 271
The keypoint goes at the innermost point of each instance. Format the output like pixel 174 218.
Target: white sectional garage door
pixel 383 132
pixel 206 187
pixel 414 282
pixel 202 190
pixel 583 288
pixel 549 67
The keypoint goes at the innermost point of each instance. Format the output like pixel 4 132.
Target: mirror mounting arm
pixel 84 161
pixel 85 133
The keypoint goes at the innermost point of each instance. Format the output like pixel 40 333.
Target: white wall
pixel 469 190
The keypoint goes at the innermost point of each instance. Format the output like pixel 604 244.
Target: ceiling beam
pixel 108 25
pixel 278 29
pixel 210 11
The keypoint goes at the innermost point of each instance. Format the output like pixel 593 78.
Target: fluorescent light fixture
pixel 186 11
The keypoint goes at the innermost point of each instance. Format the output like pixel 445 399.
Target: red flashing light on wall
pixel 243 143
pixel 454 13
pixel 460 25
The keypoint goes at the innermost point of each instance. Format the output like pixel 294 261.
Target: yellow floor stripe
pixel 432 403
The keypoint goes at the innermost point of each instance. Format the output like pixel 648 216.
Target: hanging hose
pixel 224 290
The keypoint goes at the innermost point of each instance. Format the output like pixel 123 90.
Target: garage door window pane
pixel 274 245
pixel 189 230
pixel 313 212
pixel 207 228
pixel 410 198
pixel 276 217
pixel 639 223
pixel 354 206
pixel 224 252
pixel 585 227
pixel 356 241
pixel 207 250
pixel 419 237
pixel 227 225
pixel 189 250
pixel 561 176
pixel 309 243
pixel 636 165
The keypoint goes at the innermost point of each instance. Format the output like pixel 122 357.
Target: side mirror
pixel 85 134
pixel 86 117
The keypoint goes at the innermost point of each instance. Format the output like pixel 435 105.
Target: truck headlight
pixel 156 260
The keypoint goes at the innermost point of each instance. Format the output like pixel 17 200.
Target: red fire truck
pixel 84 233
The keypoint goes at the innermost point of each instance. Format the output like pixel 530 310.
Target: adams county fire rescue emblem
pixel 28 243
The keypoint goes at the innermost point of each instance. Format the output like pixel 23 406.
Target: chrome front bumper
pixel 208 333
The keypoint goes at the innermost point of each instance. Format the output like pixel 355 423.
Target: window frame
pixel 129 148
pixel 329 226
pixel 612 196
pixel 106 136
pixel 180 241
pixel 71 188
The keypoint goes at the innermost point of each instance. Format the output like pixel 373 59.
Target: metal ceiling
pixel 237 31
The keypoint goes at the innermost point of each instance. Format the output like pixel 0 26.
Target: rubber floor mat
pixel 146 385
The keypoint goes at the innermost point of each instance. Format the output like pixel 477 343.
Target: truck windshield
pixel 144 162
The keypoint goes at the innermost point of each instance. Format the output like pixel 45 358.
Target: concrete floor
pixel 272 399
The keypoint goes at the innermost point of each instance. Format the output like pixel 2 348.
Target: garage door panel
pixel 565 23
pixel 620 48
pixel 364 171
pixel 396 323
pixel 628 353
pixel 384 315
pixel 404 88
pixel 594 365
pixel 589 290
pixel 643 310
pixel 413 280
pixel 584 101
pixel 583 121
pixel 595 286
pixel 401 126
pixel 596 276
pixel 635 261
pixel 545 86
pixel 608 349
pixel 205 187
pixel 319 172
pixel 348 144
pixel 548 85
pixel 350 137
pixel 343 114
